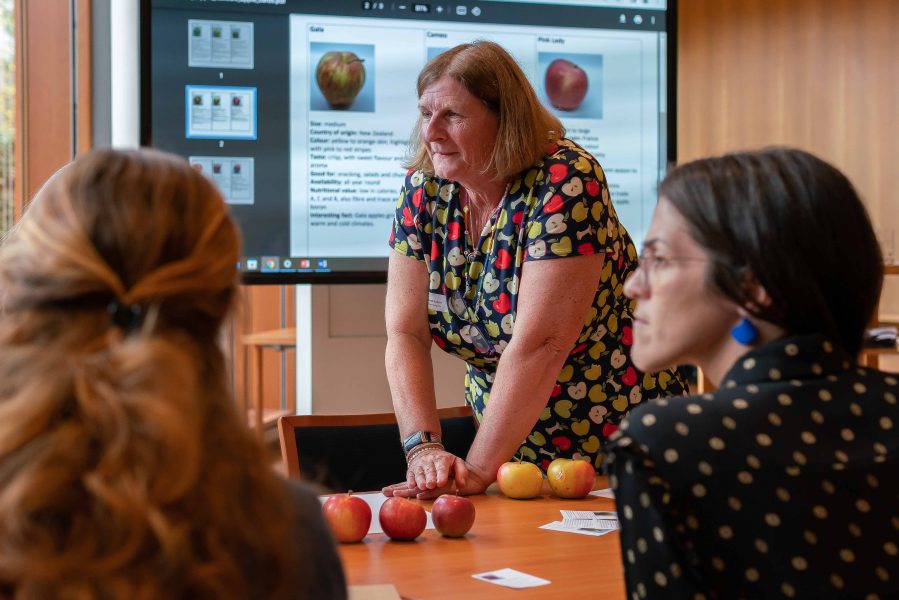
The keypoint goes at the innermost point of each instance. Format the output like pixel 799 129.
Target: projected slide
pixel 346 152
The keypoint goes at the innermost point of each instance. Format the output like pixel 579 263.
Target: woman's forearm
pixel 408 356
pixel 532 361
pixel 411 378
pixel 524 380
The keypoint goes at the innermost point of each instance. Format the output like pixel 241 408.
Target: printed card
pixel 604 493
pixel 511 578
pixel 560 526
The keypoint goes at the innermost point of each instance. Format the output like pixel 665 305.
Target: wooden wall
pixel 43 95
pixel 48 75
pixel 821 75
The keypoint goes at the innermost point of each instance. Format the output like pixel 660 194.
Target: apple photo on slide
pixel 570 84
pixel 342 77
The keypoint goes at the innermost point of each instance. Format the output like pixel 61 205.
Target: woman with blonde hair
pixel 507 253
pixel 125 471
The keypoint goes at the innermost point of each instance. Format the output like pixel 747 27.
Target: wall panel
pixel 43 65
pixel 821 75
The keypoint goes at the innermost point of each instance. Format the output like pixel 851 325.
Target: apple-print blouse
pixel 556 209
pixel 783 483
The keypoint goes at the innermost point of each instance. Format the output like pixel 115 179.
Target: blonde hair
pixel 490 74
pixel 125 471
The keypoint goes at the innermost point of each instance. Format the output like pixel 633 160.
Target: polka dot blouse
pixel 784 483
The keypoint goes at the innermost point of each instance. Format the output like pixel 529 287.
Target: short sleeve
pixel 411 212
pixel 572 215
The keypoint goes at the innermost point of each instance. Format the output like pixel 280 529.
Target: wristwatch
pixel 418 438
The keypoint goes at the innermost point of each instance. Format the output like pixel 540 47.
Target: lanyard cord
pixel 476 245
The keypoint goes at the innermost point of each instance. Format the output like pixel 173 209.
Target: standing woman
pixel 494 196
pixel 762 269
pixel 125 472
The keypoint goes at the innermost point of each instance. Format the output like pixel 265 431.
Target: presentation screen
pixel 300 111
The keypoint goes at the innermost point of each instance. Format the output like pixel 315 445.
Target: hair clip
pixel 126 317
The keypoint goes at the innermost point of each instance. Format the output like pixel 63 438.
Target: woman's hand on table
pixel 438 472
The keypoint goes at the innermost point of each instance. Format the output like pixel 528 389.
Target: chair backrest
pixel 360 452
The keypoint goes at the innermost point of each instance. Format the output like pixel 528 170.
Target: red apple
pixel 520 480
pixel 402 519
pixel 566 84
pixel 348 516
pixel 570 478
pixel 453 515
pixel 340 76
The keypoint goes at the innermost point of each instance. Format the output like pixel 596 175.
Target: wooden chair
pixel 360 452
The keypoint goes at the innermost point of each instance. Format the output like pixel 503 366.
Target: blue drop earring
pixel 745 332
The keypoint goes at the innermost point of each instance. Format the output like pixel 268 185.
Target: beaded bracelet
pixel 422 449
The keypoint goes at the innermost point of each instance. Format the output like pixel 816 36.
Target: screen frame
pixel 378 276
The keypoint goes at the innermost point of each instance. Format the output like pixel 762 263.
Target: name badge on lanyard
pixel 437 302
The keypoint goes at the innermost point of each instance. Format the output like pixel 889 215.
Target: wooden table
pixel 505 534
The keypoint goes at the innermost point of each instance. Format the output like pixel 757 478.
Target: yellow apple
pixel 520 480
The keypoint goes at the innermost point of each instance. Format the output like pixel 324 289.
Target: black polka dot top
pixel 784 483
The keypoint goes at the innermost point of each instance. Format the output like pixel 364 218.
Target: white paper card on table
pixel 599 519
pixel 373 592
pixel 590 514
pixel 560 526
pixel 511 578
pixel 374 501
pixel 604 493
pixel 589 523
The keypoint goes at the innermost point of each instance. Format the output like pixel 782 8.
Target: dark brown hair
pixel 125 471
pixel 490 74
pixel 794 224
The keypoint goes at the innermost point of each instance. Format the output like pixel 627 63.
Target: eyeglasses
pixel 649 265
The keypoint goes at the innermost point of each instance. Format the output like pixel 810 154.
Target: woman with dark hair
pixel 762 269
pixel 125 471
pixel 494 193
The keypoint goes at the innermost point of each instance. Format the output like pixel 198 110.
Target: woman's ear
pixel 760 295
pixel 757 295
pixel 758 298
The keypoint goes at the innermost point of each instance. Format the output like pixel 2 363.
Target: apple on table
pixel 520 480
pixel 453 515
pixel 402 519
pixel 348 516
pixel 571 478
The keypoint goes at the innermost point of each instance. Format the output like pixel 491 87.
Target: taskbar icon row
pixel 282 264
